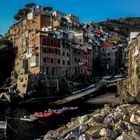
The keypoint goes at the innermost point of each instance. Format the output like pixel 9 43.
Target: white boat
pixel 29 119
pixel 3 125
pixel 3 128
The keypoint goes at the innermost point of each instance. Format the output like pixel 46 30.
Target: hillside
pixel 122 26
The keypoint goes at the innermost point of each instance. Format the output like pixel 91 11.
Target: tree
pixel 48 9
pixel 17 17
pixel 30 5
pixel 24 11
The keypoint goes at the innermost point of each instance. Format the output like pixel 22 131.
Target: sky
pixel 87 10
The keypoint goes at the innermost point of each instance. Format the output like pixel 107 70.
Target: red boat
pixel 58 113
pixel 46 114
pixel 42 114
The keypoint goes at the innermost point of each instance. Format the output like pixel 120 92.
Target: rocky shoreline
pixel 108 123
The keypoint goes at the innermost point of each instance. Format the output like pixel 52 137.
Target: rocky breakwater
pixel 118 123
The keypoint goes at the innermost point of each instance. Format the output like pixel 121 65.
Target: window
pixel 58 61
pixel 108 54
pixel 63 53
pixel 52 71
pixel 63 62
pixel 75 59
pixel 47 71
pixel 67 54
pixel 74 51
pixel 48 41
pixel 44 49
pixel 66 72
pixel 52 60
pixel 44 59
pixel 49 50
pixel 75 70
pixel 58 52
pixel 68 62
pixel 78 59
pixel 33 34
pixel 44 40
pixel 51 41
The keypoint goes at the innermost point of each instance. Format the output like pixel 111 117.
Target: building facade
pixel 51 44
pixel 129 89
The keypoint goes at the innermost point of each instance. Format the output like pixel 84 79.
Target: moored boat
pixel 29 118
pixel 46 114
pixel 3 129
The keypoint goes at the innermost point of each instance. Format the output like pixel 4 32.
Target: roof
pixel 99 32
pixel 106 44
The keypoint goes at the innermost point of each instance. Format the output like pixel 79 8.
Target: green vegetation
pixel 22 13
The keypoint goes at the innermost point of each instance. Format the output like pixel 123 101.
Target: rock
pixel 83 137
pixel 121 126
pixel 103 124
pixel 138 112
pixel 134 135
pixel 106 110
pixel 93 133
pixel 83 128
pixel 135 119
pixel 70 124
pixel 98 117
pixel 117 116
pixel 61 129
pixel 125 136
pixel 104 132
pixel 126 118
pixel 7 97
pixel 109 119
pixel 51 135
pixel 71 136
pixel 82 119
pixel 90 121
pixel 1 95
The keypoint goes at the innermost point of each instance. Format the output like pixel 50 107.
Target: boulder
pixel 71 136
pixel 98 117
pixel 135 119
pixel 83 128
pixel 83 137
pixel 105 132
pixel 93 133
pixel 84 118
pixel 134 135
pixel 121 126
pixel 109 119
pixel 125 136
pixel 51 135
